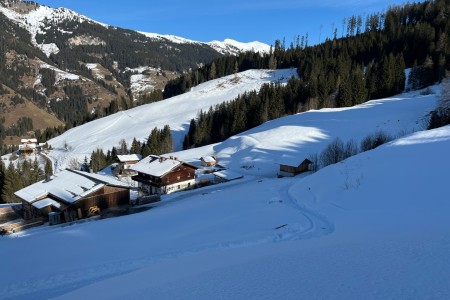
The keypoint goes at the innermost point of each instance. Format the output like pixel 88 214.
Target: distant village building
pixel 208 161
pixel 289 170
pixel 162 175
pixel 125 162
pixel 30 146
pixel 71 195
pixel 225 176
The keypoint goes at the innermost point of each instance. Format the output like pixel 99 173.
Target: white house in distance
pixel 208 161
pixel 29 146
pixel 126 161
pixel 163 175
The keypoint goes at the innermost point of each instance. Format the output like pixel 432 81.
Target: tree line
pixel 14 178
pixel 158 142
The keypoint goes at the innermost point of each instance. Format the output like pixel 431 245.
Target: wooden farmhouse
pixel 162 175
pixel 126 161
pixel 208 161
pixel 29 146
pixel 289 170
pixel 71 195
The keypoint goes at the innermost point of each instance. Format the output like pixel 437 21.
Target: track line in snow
pixel 60 283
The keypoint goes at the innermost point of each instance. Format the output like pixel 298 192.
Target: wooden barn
pixel 29 146
pixel 125 162
pixel 162 175
pixel 71 195
pixel 289 170
pixel 208 161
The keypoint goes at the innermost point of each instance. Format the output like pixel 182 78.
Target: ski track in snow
pixel 60 283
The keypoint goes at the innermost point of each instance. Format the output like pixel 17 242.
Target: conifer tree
pixel 13 183
pixel 123 147
pixel 48 168
pixel 135 147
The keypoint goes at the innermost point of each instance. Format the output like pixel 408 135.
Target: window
pixel 178 177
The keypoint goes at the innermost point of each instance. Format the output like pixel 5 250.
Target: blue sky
pixel 242 20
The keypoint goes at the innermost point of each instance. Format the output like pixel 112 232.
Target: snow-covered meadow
pixel 176 112
pixel 374 226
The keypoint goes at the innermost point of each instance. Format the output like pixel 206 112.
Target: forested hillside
pixel 367 63
pixel 62 69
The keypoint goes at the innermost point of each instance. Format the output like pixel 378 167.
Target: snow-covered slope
pixel 176 112
pixel 33 21
pixel 374 226
pixel 289 140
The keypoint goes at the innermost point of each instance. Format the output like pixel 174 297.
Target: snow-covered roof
pixel 208 159
pixel 68 186
pixel 23 141
pixel 291 160
pixel 129 157
pixel 228 175
pixel 102 178
pixel 155 165
pixel 46 202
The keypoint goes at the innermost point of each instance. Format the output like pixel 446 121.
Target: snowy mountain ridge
pixel 228 46
pixel 35 20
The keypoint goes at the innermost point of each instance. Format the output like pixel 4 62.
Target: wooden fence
pixel 10 213
pixel 21 225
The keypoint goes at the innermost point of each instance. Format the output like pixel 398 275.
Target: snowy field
pixel 374 226
pixel 138 122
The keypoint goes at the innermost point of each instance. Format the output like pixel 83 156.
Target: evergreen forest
pixel 366 62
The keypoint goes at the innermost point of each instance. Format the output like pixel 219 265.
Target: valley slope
pixel 176 112
pixel 55 57
pixel 374 226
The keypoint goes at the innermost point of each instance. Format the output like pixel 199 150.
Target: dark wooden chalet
pixel 162 175
pixel 71 195
pixel 289 171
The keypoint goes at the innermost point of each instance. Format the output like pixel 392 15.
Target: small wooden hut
pixel 289 171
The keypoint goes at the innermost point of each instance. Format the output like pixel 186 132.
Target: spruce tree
pixel 48 168
pixel 13 183
pixel 135 147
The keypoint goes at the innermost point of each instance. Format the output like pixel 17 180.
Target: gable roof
pixel 23 141
pixel 208 159
pixel 292 161
pixel 228 175
pixel 68 186
pixel 129 157
pixel 156 165
pixel 46 202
